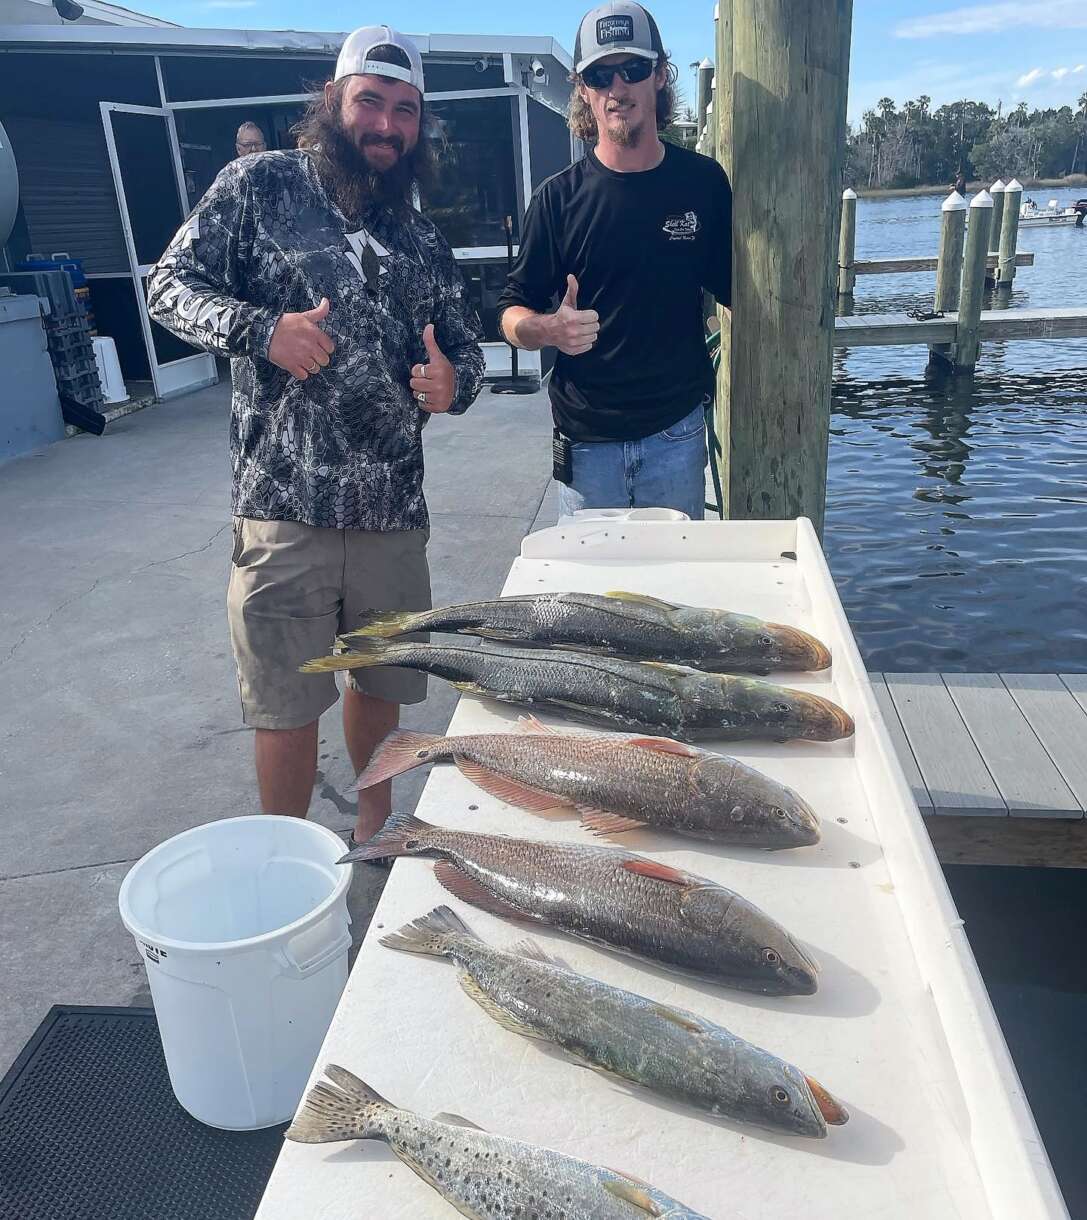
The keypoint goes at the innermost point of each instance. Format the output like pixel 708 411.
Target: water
pixel 956 517
pixel 956 530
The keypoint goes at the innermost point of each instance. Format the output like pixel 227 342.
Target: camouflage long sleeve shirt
pixel 343 448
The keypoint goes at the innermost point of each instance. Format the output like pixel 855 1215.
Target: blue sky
pixel 1032 50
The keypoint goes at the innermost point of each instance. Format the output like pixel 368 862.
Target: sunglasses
pixel 600 76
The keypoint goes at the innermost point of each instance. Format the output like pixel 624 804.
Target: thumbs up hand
pixel 433 383
pixel 573 330
pixel 299 345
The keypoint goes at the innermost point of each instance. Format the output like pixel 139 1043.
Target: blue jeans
pixel 665 470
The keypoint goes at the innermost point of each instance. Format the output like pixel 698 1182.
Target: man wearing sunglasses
pixel 628 237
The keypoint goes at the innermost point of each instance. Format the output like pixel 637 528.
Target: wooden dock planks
pixel 1010 746
pixel 891 329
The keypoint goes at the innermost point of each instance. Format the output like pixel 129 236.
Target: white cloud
pixel 1029 78
pixel 1060 73
pixel 994 18
pixel 1078 68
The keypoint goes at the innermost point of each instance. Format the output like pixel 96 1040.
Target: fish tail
pixel 384 624
pixel 399 752
pixel 343 1107
pixel 402 835
pixel 432 934
pixel 359 654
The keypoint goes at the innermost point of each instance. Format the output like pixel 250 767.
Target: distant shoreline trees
pixel 914 145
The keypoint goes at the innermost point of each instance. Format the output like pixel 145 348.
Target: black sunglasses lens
pixel 632 72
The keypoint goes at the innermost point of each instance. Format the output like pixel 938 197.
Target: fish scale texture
pixel 90 1128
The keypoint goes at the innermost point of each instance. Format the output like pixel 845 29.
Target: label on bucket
pixel 153 952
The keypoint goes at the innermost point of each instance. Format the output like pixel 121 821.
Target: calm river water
pixel 957 533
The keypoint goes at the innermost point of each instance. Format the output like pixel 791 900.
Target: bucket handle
pixel 320 959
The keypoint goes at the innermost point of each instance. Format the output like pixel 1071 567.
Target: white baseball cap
pixel 619 26
pixel 354 58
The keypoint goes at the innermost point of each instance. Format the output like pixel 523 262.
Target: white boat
pixel 1032 216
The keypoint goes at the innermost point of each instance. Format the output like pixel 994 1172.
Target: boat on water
pixel 1032 216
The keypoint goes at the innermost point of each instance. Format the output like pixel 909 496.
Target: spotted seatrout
pixel 669 1050
pixel 484 1176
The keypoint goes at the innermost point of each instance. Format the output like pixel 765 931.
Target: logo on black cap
pixel 614 29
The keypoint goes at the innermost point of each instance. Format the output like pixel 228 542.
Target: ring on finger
pixel 313 366
pixel 421 397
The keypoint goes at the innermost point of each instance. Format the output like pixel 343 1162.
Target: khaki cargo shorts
pixel 293 588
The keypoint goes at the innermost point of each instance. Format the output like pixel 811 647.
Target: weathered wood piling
pixel 972 288
pixel 847 243
pixel 949 261
pixel 1009 234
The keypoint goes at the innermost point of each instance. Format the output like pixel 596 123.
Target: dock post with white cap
pixel 949 262
pixel 997 192
pixel 1009 233
pixel 847 243
pixel 705 80
pixel 973 281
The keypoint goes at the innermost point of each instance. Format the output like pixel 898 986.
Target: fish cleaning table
pixel 901 1030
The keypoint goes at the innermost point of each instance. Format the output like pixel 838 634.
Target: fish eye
pixel 778 813
pixel 771 957
pixel 781 707
pixel 765 641
pixel 780 1096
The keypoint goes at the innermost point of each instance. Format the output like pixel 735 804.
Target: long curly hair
pixel 580 116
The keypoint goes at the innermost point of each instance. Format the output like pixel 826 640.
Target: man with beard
pixel 629 237
pixel 347 322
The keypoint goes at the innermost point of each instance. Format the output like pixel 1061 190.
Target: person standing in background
pixel 250 139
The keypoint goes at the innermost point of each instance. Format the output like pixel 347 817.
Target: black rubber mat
pixel 90 1130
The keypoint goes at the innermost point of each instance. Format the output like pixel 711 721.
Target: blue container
pixel 56 262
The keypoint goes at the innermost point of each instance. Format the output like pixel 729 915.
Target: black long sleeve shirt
pixel 643 247
pixel 342 449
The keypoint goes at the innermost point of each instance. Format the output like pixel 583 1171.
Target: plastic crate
pixel 85 388
pixel 55 286
pixel 73 366
pixel 70 343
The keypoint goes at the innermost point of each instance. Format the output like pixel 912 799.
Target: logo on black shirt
pixel 614 29
pixel 682 227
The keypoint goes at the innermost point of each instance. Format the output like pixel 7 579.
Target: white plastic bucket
pixel 244 927
pixel 109 370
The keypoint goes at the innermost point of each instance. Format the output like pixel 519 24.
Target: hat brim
pixel 617 49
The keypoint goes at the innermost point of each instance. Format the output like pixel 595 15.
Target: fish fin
pixel 640 599
pixel 680 670
pixel 506 789
pixel 473 688
pixel 400 751
pixel 470 890
pixel 430 934
pixel 677 1016
pixel 534 951
pixel 495 633
pixel 601 822
pixel 392 839
pixel 359 654
pixel 457 1120
pixel 493 1009
pixel 633 1192
pixel 658 871
pixel 663 745
pixel 335 1109
pixel 529 724
pixel 384 625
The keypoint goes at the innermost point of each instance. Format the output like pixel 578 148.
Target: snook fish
pixel 621 625
pixel 484 1176
pixel 639 695
pixel 610 897
pixel 669 1050
pixel 615 783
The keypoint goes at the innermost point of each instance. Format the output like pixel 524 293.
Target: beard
pixel 349 177
pixel 624 133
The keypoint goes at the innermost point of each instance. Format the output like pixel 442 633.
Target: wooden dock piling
pixel 705 76
pixel 972 287
pixel 997 192
pixel 847 243
pixel 1009 234
pixel 782 76
pixel 949 262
